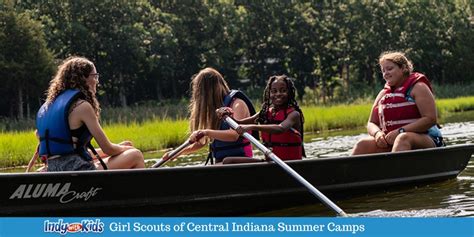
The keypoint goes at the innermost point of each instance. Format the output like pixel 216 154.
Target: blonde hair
pixel 208 89
pixel 398 58
pixel 72 74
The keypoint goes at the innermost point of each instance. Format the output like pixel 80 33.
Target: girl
pixel 280 121
pixel 209 92
pixel 69 119
pixel 403 115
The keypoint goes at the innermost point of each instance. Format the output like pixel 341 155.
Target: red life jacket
pixel 287 145
pixel 395 109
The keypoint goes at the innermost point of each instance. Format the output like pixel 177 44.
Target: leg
pixel 129 159
pixel 410 141
pixel 367 145
pixel 236 160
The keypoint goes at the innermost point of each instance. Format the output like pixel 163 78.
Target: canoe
pixel 225 190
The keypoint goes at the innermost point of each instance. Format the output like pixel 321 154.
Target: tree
pixel 26 64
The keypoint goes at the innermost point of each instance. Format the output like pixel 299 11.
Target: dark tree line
pixel 148 50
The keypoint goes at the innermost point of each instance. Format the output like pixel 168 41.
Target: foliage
pixel 25 63
pixel 147 50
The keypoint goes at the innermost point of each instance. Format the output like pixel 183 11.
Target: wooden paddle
pixel 287 168
pixel 173 153
pixel 33 160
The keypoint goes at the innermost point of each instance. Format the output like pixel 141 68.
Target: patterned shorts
pixel 71 162
pixel 438 141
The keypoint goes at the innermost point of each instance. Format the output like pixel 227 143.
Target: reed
pixel 16 148
pixel 320 118
pixel 152 135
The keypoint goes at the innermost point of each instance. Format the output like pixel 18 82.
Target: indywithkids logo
pixel 84 226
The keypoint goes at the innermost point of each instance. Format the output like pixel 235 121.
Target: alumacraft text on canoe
pixel 52 190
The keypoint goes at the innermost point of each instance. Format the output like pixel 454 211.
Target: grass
pixel 334 117
pixel 16 147
pixel 153 135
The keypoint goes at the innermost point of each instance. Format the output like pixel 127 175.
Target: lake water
pixel 449 198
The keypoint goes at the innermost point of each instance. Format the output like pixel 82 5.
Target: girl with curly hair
pixel 69 119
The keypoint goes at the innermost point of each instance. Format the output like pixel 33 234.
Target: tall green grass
pixel 455 105
pixel 319 118
pixel 152 135
pixel 172 109
pixel 16 148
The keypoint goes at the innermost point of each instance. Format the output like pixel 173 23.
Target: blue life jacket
pixel 53 128
pixel 222 149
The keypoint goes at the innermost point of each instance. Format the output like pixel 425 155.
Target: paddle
pixel 173 153
pixel 287 168
pixel 33 160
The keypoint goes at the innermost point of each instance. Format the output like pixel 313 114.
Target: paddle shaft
pixel 175 152
pixel 172 154
pixel 288 169
pixel 33 160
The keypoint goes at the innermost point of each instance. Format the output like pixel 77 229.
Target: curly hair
pixel 208 89
pixel 267 104
pixel 72 74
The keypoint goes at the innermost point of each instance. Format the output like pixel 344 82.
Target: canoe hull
pixel 220 190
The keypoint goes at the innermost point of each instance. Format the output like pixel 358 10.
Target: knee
pixel 135 154
pixel 363 146
pixel 403 142
pixel 403 138
pixel 138 159
pixel 363 143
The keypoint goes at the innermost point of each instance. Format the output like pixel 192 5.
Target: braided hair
pixel 267 104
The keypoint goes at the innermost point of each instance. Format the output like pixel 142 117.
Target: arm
pixel 241 113
pixel 242 116
pixel 190 149
pixel 249 120
pixel 103 155
pixel 425 103
pixel 293 120
pixel 373 127
pixel 85 113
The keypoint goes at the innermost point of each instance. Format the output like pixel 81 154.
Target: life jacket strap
pixel 89 145
pixel 209 156
pixel 54 139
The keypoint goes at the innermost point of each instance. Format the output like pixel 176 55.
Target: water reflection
pixel 443 199
pixel 341 145
pixel 453 197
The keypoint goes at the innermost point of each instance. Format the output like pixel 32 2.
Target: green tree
pixel 26 64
